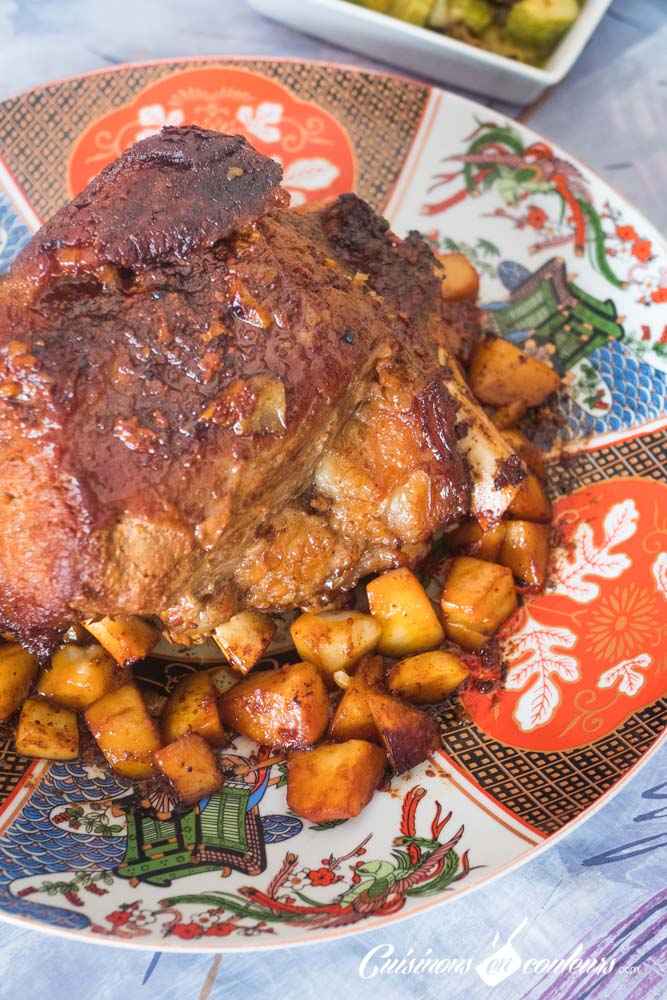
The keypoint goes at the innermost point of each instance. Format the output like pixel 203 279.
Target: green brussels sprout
pixel 412 11
pixel 540 24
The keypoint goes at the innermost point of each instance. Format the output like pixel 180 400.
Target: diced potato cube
pixel 125 732
pixel 402 606
pixel 126 638
pixel 505 417
pixel 190 767
pixel 427 678
pixel 245 638
pixel 408 734
pixel 467 638
pixel 286 708
pixel 48 731
pixel 79 675
pixel 335 640
pixel 478 596
pixel 501 374
pixel 18 669
pixel 461 280
pixel 192 707
pixel 370 670
pixel 471 539
pixel 334 781
pixel 529 452
pixel 353 719
pixel 526 552
pixel 530 502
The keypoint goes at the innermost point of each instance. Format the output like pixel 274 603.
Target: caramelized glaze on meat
pixel 210 402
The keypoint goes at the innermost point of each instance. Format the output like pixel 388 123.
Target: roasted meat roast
pixel 210 401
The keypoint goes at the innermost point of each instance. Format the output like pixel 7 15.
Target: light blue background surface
pixel 603 886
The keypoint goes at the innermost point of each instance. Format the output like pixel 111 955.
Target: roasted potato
pixel 335 780
pixel 427 678
pixel 125 732
pixel 127 638
pixel 477 598
pixel 370 670
pixel 505 417
pixel 461 280
pixel 470 539
pixel 192 707
pixel 18 669
pixel 353 719
pixel 408 734
pixel 402 606
pixel 335 640
pixel 48 731
pixel 245 638
pixel 526 552
pixel 466 637
pixel 286 708
pixel 190 767
pixel 500 374
pixel 79 675
pixel 530 502
pixel 531 455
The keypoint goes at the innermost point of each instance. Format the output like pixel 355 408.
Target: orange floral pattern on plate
pixel 313 148
pixel 592 649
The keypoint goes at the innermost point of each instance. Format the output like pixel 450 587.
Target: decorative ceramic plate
pixel 567 268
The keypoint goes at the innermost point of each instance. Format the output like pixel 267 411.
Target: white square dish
pixel 431 54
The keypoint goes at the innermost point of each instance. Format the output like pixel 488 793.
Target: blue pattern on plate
pixel 33 845
pixel 512 274
pixel 638 393
pixel 14 233
pixel 280 827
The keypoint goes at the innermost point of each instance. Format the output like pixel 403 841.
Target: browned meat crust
pixel 208 401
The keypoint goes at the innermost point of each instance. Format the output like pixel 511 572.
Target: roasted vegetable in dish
pixel 127 639
pixel 192 707
pixel 79 675
pixel 334 781
pixel 190 767
pixel 125 732
pixel 18 668
pixel 46 730
pixel 403 608
pixel 287 708
pixel 408 734
pixel 335 640
pixel 501 374
pixel 524 30
pixel 245 638
pixel 353 719
pixel 427 678
pixel 525 551
pixel 477 598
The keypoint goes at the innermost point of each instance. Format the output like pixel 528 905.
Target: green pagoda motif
pixel 553 310
pixel 221 833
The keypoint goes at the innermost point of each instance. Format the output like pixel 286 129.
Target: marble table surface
pixel 602 887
